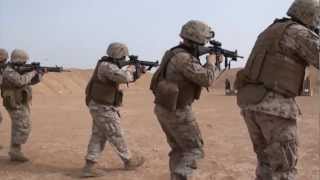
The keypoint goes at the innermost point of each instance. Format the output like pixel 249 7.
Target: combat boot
pixel 134 162
pixel 89 170
pixel 16 154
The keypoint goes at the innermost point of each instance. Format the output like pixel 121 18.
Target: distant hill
pixel 65 83
pixel 74 82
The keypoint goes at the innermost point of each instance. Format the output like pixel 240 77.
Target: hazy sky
pixel 75 33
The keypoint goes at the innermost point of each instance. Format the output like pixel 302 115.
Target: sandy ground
pixel 62 124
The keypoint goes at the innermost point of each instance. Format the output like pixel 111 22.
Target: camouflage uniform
pixel 182 130
pixel 20 113
pixel 103 97
pixel 272 122
pixel 106 119
pixel 17 95
pixel 181 68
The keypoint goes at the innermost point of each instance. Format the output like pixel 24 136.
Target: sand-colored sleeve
pixel 191 69
pixel 17 79
pixel 108 71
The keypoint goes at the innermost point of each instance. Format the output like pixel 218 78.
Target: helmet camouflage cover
pixel 117 50
pixel 307 12
pixel 3 55
pixel 196 31
pixel 19 56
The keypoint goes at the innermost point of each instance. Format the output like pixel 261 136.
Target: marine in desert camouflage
pixel 176 84
pixel 267 87
pixel 103 98
pixel 17 94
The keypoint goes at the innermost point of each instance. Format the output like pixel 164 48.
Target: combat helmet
pixel 196 31
pixel 3 55
pixel 117 50
pixel 19 56
pixel 306 12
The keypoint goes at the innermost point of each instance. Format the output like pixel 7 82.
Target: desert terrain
pixel 62 126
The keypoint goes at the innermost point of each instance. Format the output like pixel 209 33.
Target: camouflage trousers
pixel 184 138
pixel 275 144
pixel 21 123
pixel 106 128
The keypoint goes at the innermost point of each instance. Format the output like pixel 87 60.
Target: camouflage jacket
pixel 12 78
pixel 307 45
pixel 185 67
pixel 108 71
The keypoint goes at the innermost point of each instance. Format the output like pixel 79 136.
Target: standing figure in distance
pixel 176 84
pixel 104 97
pixel 3 59
pixel 228 90
pixel 17 94
pixel 267 87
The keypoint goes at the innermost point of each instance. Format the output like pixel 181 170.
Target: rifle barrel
pixel 213 49
pixel 53 69
pixel 150 64
pixel 36 66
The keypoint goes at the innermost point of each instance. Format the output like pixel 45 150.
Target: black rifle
pixel 133 60
pixel 217 49
pixel 24 68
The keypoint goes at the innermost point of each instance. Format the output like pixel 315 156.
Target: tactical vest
pixel 187 91
pixel 14 96
pixel 270 65
pixel 106 93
